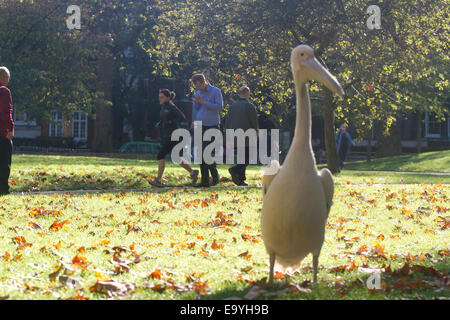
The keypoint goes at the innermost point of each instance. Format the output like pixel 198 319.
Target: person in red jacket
pixel 6 130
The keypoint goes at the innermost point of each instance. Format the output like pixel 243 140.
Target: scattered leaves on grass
pixel 251 238
pixel 365 231
pixel 40 212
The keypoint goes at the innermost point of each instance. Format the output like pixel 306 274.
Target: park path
pixel 164 189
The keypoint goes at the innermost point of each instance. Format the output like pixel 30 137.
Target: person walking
pixel 6 130
pixel 241 115
pixel 170 119
pixel 208 104
pixel 343 141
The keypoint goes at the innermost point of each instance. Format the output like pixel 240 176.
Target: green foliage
pixel 49 66
pixel 53 67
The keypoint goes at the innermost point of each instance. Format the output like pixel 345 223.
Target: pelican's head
pixel 305 63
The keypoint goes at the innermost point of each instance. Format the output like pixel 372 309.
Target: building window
pixel 20 118
pixel 432 126
pixel 56 126
pixel 79 125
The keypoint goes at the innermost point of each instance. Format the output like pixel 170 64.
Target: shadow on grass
pixel 82 160
pixel 431 283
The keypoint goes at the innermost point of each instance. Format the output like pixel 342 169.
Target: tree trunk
pixel 330 133
pixel 419 131
pixel 369 146
pixel 104 121
pixel 388 145
pixel 103 133
pixel 139 124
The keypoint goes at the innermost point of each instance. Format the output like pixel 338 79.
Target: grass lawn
pixel 438 161
pixel 185 243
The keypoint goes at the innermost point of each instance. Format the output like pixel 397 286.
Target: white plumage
pixel 297 198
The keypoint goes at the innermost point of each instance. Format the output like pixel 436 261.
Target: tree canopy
pixel 398 69
pixel 401 67
pixel 249 42
pixel 50 66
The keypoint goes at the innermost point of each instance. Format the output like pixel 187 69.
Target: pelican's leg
pixel 315 265
pixel 272 263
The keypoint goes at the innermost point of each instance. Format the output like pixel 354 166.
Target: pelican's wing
pixel 269 174
pixel 328 187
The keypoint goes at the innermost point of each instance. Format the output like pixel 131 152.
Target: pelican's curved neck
pixel 303 121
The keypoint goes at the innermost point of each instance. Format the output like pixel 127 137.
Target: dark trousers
pixel 166 148
pixel 5 163
pixel 342 156
pixel 205 169
pixel 240 168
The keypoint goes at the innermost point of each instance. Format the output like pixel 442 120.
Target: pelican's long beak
pixel 321 74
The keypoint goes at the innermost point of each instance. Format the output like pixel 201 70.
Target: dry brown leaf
pixel 157 274
pixel 111 287
pixel 34 225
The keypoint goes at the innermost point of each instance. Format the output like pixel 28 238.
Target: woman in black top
pixel 170 117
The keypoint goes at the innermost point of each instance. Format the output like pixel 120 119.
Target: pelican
pixel 296 198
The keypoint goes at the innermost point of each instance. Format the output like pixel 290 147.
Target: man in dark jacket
pixel 6 131
pixel 241 115
pixel 343 143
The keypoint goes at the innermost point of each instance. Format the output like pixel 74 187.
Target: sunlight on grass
pixel 437 161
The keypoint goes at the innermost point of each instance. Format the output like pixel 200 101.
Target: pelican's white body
pixel 295 209
pixel 297 199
